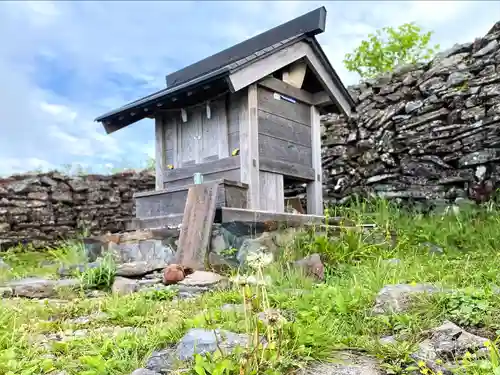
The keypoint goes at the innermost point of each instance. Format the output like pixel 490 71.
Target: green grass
pixel 329 317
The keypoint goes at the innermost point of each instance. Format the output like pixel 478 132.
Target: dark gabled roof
pixel 310 24
pixel 215 69
pixel 164 94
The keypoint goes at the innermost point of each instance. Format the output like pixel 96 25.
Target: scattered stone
pixel 82 320
pixel 195 341
pixel 448 342
pixel 161 361
pixel 262 247
pixel 312 266
pixel 94 293
pixel 41 288
pixel 433 248
pixel 200 341
pixel 397 298
pixel 123 286
pixel 345 363
pixel 392 261
pixel 66 271
pixel 137 269
pixel 388 340
pixel 202 278
pixel 144 371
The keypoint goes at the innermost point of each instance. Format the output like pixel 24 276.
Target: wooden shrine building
pixel 248 116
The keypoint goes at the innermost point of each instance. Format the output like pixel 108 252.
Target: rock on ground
pixel 396 298
pixel 195 341
pixel 161 361
pixel 345 363
pixel 40 288
pixel 312 266
pixel 123 286
pixel 200 341
pixel 138 269
pixel 144 371
pixel 448 342
pixel 203 279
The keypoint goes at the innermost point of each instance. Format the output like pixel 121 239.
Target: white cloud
pixel 71 61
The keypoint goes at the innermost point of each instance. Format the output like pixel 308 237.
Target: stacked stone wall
pixel 45 208
pixel 424 132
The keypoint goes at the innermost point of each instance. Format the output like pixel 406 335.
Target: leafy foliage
pixel 100 277
pixel 467 309
pixel 304 322
pixel 388 48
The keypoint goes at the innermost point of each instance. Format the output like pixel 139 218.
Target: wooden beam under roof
pixel 284 57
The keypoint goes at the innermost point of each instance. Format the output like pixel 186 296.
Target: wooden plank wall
pixel 199 139
pixel 284 129
pixel 236 110
pixel 272 192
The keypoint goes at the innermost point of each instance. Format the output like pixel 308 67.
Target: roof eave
pixel 322 55
pixel 157 97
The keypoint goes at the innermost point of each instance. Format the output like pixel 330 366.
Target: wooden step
pixel 167 221
pixel 166 202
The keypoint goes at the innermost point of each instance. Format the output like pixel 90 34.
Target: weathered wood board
pixel 161 203
pixel 220 165
pixel 298 112
pixel 271 192
pixel 173 200
pixel 288 152
pixel 196 230
pixel 297 171
pixel 282 128
pixel 233 175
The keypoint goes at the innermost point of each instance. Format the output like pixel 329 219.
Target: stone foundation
pixel 230 244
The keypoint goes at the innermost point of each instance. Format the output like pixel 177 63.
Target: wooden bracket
pixel 295 74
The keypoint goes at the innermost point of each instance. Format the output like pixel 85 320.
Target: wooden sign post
pixel 196 230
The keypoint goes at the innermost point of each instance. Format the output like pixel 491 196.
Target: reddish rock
pixel 312 266
pixel 174 273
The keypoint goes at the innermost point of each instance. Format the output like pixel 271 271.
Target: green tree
pixel 388 48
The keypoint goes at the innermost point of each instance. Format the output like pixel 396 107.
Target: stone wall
pixel 50 207
pixel 428 131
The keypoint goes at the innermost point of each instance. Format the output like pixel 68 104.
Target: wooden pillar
pixel 249 147
pixel 160 151
pixel 272 192
pixel 315 188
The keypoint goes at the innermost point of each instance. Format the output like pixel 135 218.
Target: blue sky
pixel 64 63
